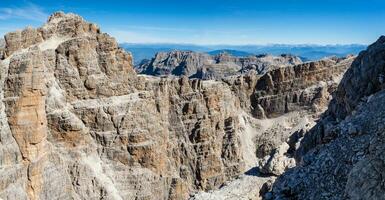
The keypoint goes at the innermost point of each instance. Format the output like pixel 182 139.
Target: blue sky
pixel 214 21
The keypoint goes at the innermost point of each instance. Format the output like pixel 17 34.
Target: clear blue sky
pixel 214 21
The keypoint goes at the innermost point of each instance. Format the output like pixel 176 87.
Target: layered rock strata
pixel 204 66
pixel 342 156
pixel 77 122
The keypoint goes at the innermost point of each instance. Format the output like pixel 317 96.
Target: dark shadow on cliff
pixel 345 100
pixel 255 172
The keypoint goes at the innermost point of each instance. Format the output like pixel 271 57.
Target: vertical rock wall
pixel 78 123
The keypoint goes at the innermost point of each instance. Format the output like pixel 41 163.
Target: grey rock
pixel 350 164
pixel 77 122
pixel 204 66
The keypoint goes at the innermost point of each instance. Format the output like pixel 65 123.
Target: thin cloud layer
pixel 30 12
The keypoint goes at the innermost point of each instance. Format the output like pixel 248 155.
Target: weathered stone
pixel 77 122
pixel 278 163
pixel 204 66
pixel 342 156
pixel 306 85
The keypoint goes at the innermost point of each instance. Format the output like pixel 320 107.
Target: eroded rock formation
pixel 77 122
pixel 204 66
pixel 342 156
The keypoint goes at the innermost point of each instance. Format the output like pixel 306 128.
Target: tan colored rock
pixel 204 66
pixel 78 123
pixel 305 85
pixel 342 157
pixel 21 39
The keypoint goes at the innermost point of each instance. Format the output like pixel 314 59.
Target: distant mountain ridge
pixel 205 66
pixel 230 52
pixel 306 52
pixel 77 122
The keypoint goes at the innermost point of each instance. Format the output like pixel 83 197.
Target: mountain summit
pixel 77 122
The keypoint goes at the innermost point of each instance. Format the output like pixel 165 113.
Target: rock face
pixel 342 156
pixel 282 90
pixel 304 85
pixel 77 122
pixel 204 66
pixel 2 48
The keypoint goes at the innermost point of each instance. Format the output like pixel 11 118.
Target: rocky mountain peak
pixel 77 122
pixel 365 77
pixel 68 25
pixel 60 26
pixel 58 16
pixel 204 66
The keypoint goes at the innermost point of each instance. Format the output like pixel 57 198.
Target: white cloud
pixel 28 12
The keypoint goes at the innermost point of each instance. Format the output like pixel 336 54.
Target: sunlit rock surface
pixel 77 122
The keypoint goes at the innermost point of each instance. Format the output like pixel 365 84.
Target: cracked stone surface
pixel 342 157
pixel 77 122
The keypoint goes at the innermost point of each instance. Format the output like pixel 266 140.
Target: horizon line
pixel 264 44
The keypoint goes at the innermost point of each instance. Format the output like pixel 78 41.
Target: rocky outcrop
pixel 2 48
pixel 306 85
pixel 342 156
pixel 176 63
pixel 204 66
pixel 286 89
pixel 83 125
pixel 77 122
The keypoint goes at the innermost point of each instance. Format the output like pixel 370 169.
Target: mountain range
pixel 205 66
pixel 307 52
pixel 78 122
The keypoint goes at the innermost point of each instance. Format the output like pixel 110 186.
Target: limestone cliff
pixel 204 66
pixel 342 156
pixel 77 122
